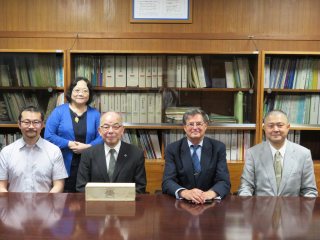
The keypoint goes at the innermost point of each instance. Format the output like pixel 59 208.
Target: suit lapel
pixel 187 161
pixel 101 162
pixel 121 160
pixel 267 162
pixel 206 156
pixel 288 164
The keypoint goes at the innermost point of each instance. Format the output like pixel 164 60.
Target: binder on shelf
pixel 158 108
pixel 135 107
pixel 111 101
pixel 151 107
pixel 148 71
pixel 123 106
pixel 171 71
pixel 238 106
pixel 195 82
pixel 184 72
pixel 121 71
pixel 160 60
pixel 132 71
pixel 129 107
pixel 143 106
pixel 142 71
pixel 201 72
pixel 154 71
pixel 117 102
pixel 179 72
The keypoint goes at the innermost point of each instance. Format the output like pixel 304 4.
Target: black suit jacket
pixel 129 167
pixel 179 173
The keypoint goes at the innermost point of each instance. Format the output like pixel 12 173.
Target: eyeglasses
pixel 114 127
pixel 27 123
pixel 197 124
pixel 83 91
pixel 278 125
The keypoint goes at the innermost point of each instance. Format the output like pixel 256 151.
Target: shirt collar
pixel 190 143
pixel 282 150
pixel 117 147
pixel 21 143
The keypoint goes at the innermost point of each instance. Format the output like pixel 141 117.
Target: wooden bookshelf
pixel 217 100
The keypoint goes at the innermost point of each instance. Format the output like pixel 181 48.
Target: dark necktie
pixel 195 159
pixel 112 163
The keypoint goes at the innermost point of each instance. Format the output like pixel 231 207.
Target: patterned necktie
pixel 195 159
pixel 112 163
pixel 277 168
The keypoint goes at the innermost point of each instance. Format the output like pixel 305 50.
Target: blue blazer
pixel 179 173
pixel 59 130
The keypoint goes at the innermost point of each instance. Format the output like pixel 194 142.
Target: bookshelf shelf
pixel 277 90
pixel 168 126
pixel 127 89
pixel 305 127
pixel 49 89
pixel 212 89
pixel 9 125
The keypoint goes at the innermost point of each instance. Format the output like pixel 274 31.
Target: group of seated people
pixel 80 146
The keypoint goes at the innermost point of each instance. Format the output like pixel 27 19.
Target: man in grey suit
pixel 114 160
pixel 278 167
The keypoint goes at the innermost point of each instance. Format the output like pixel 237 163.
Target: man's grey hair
pixel 193 112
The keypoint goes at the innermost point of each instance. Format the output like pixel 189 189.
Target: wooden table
pixel 68 216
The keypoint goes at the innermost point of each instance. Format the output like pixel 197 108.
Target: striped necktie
pixel 195 159
pixel 278 168
pixel 112 164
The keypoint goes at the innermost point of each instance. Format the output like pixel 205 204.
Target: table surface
pixel 68 216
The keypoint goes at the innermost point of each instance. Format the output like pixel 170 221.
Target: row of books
pixel 288 73
pixel 134 107
pixel 31 70
pixel 236 141
pixel 11 104
pixel 121 70
pixel 238 73
pixel 175 114
pixel 186 71
pixel 147 140
pixel 7 138
pixel 301 109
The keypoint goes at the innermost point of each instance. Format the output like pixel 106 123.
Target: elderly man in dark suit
pixel 114 160
pixel 195 166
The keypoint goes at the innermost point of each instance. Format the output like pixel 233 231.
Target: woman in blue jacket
pixel 73 127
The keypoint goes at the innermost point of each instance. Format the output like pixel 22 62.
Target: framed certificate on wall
pixel 161 11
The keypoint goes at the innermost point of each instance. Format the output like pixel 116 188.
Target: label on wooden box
pixel 110 191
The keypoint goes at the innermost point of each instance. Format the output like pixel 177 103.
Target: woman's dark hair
pixel 74 83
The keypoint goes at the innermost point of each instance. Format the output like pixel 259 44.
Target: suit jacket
pixel 258 177
pixel 129 167
pixel 59 130
pixel 179 173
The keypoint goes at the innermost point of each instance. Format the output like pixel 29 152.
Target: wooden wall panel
pixel 104 24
